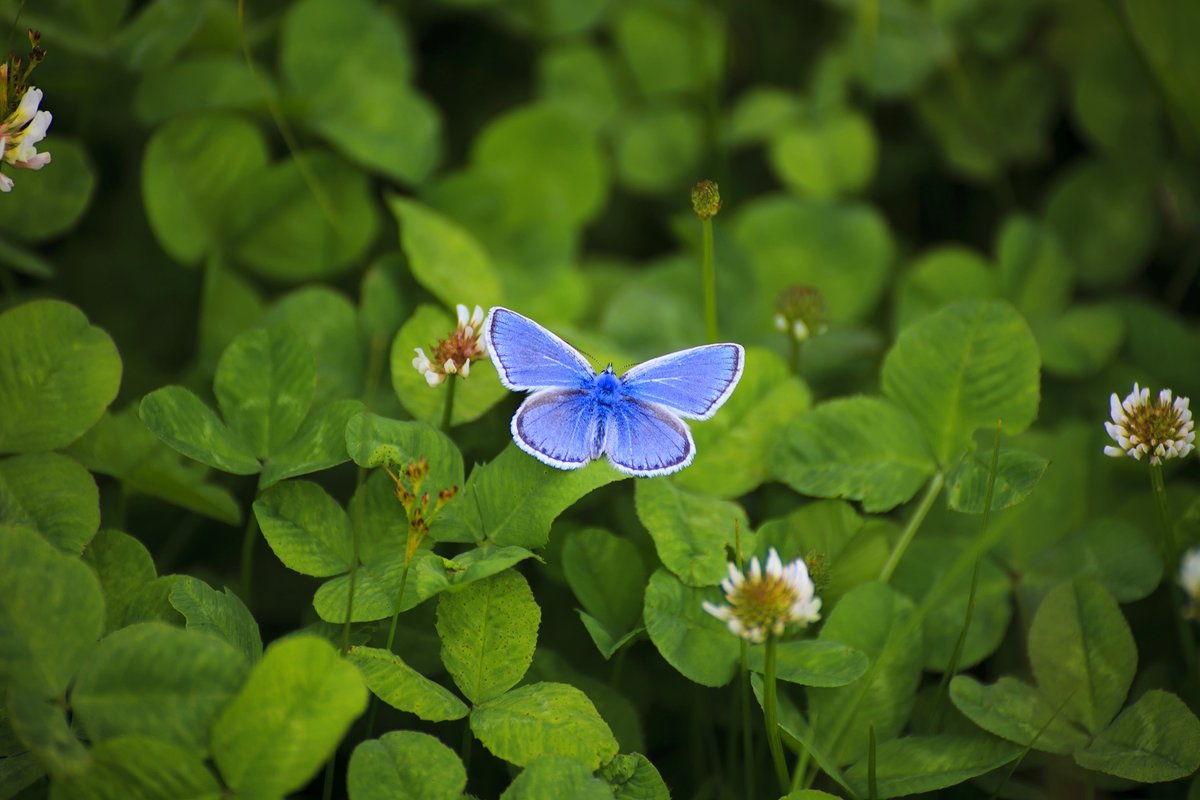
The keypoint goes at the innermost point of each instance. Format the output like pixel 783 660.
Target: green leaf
pixel 1103 213
pixel 377 588
pixel 812 662
pixel 834 153
pixel 141 767
pixel 576 75
pixel 1080 341
pixel 555 777
pixel 474 396
pixel 669 53
pixel 202 82
pixel 1164 30
pixel 917 764
pixel 328 322
pixel 732 448
pixel 657 148
pixel 283 233
pixel 157 33
pixel 319 444
pixel 489 632
pixel 1156 739
pixel 296 706
pixel 264 385
pixel 843 248
pixel 632 777
pixel 120 445
pixel 27 261
pixel 444 257
pixel 51 613
pixel 157 681
pixel 939 277
pixel 515 498
pixel 607 575
pixel 43 728
pixel 53 495
pixel 307 529
pixel 690 531
pixel 482 562
pixel 1082 652
pixel 691 640
pixel 809 794
pixel 876 620
pixel 221 614
pixel 607 641
pixel 1035 273
pixel 405 765
pixel 58 375
pixel 1017 473
pixel 1016 711
pixel 52 200
pixel 348 63
pixel 963 368
pixel 229 305
pixel 124 567
pixel 925 566
pixel 187 201
pixel 153 603
pixel 1116 554
pixel 403 688
pixel 185 423
pixel 860 448
pixel 374 441
pixel 543 719
pixel 19 772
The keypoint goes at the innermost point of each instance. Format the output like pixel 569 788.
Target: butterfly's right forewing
pixel 529 357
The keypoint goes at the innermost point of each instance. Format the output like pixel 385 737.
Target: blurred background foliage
pixel 355 168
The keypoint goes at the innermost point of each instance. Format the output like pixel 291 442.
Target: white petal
pixel 774 564
pixel 781 323
pixel 450 367
pixel 464 316
pixel 1109 450
pixel 6 183
pixel 466 368
pixel 755 569
pixel 1114 404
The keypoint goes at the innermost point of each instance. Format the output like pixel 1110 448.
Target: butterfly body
pixel 576 414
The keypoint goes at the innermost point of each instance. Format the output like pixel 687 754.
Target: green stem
pixel 391 640
pixel 769 711
pixel 328 793
pixel 464 750
pixel 794 354
pixel 448 408
pixel 914 524
pixel 1187 642
pixel 248 540
pixel 709 270
pixel 747 732
pixel 353 579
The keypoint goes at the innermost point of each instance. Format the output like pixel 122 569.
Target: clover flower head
pixel 706 199
pixel 1160 430
pixel 800 312
pixel 1189 579
pixel 454 354
pixel 23 125
pixel 766 602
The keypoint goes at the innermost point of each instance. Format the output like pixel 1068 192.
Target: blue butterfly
pixel 575 414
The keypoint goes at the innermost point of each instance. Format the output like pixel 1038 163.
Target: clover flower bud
pixel 762 603
pixel 1160 430
pixel 706 199
pixel 800 312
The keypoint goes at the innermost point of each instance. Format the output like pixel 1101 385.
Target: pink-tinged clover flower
pixel 1160 430
pixel 23 125
pixel 765 603
pixel 454 354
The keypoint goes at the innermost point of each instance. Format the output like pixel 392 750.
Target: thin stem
pixel 769 712
pixel 747 732
pixel 464 750
pixel 448 408
pixel 1187 642
pixel 391 640
pixel 248 539
pixel 327 794
pixel 794 354
pixel 709 270
pixel 914 524
pixel 353 580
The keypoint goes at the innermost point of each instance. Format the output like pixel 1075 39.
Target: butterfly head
pixel 607 383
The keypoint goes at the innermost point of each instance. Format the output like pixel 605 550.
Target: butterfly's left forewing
pixel 529 357
pixel 646 439
pixel 693 383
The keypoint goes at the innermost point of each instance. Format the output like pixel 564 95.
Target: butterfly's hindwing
pixel 646 439
pixel 529 357
pixel 693 383
pixel 558 427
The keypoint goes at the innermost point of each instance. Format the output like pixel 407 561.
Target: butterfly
pixel 576 414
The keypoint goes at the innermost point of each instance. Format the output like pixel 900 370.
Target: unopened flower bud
pixel 706 199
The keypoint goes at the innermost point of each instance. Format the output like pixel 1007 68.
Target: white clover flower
pixel 454 354
pixel 1159 430
pixel 1189 573
pixel 21 131
pixel 800 312
pixel 766 604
